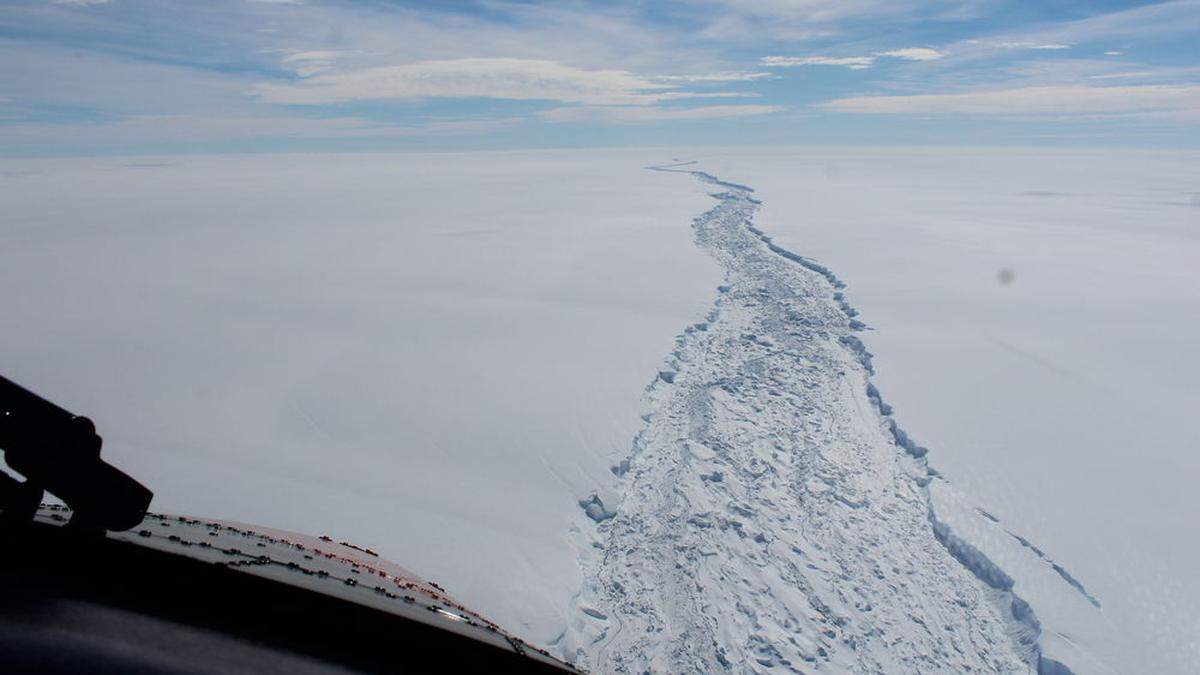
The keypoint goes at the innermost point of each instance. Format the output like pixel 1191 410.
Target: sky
pixel 103 77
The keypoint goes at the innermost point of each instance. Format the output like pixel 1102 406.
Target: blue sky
pixel 81 77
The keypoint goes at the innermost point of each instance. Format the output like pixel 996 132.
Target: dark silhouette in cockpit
pixel 59 452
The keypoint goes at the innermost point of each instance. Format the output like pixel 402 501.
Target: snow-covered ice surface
pixel 1032 315
pixel 772 515
pixel 441 357
pixel 430 355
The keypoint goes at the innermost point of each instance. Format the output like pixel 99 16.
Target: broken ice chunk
pixel 594 508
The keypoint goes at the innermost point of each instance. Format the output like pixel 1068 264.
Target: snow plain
pixel 438 355
pixel 429 355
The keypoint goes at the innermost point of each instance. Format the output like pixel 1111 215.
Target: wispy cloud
pixel 1053 101
pixel 631 115
pixel 1155 22
pixel 1152 75
pixel 796 20
pixel 914 54
pixel 717 77
pixel 852 62
pixel 1032 45
pixel 240 68
pixel 307 64
pixel 512 79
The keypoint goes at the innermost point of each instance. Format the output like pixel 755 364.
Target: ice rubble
pixel 774 515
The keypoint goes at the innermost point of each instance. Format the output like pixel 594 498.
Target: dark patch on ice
pixel 594 613
pixel 676 163
pixel 989 573
pixel 860 350
pixel 1048 666
pixel 806 263
pixel 1058 569
pixel 723 183
pixel 594 508
pixel 970 556
pixel 1062 572
pixel 1025 542
pixel 1034 358
pixel 873 395
pixel 904 441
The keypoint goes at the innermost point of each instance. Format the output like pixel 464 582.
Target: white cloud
pixel 314 56
pixel 716 77
pixel 1070 100
pixel 1114 53
pixel 691 95
pixel 631 115
pixel 1031 45
pixel 80 3
pixel 914 54
pixel 307 64
pixel 852 62
pixel 499 78
pixel 332 53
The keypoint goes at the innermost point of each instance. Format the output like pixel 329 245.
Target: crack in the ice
pixel 967 555
pixel 744 416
